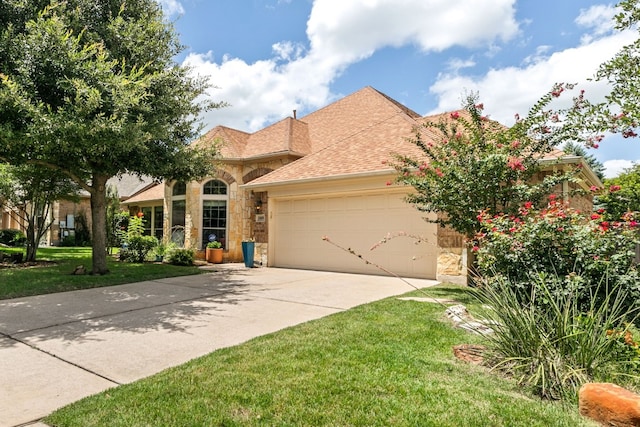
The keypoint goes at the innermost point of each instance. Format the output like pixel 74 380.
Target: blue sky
pixel 269 57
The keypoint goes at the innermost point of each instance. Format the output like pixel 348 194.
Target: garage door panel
pixel 356 222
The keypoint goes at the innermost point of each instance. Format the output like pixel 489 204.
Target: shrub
pixel 181 257
pixel 12 237
pixel 556 347
pixel 138 248
pixel 580 255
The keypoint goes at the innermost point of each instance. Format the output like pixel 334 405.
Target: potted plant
pixel 161 250
pixel 214 252
pixel 248 249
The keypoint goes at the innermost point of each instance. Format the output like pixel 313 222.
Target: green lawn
pixel 388 363
pixel 17 282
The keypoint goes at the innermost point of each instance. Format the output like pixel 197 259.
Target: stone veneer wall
pixel 452 259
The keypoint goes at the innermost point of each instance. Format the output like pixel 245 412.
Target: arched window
pixel 178 212
pixel 179 189
pixel 214 212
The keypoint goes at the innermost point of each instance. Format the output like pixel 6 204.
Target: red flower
pixel 455 115
pixel 593 188
pixel 614 188
pixel 595 216
pixel 528 205
pixel 388 183
pixel 552 197
pixel 515 164
pixel 140 214
pixel 475 249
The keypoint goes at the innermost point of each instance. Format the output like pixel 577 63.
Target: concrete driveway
pixel 58 348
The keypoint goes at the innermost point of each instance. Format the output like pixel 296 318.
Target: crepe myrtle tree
pixel 90 88
pixel 470 164
pixel 620 111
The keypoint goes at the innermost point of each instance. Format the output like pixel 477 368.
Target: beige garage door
pixel 356 222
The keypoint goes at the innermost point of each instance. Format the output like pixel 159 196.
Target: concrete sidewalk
pixel 58 348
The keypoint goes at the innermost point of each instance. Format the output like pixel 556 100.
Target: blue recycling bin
pixel 248 249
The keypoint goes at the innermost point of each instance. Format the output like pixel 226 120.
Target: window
pixel 178 212
pixel 214 212
pixel 179 189
pixel 153 221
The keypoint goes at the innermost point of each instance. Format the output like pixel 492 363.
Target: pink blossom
pixel 595 216
pixel 475 248
pixel 455 115
pixel 515 164
pixel 593 188
pixel 480 106
pixel 439 172
pixel 633 224
pixel 528 205
pixel 614 188
pixel 388 183
pixel 515 144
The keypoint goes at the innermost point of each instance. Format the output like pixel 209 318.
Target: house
pixel 299 182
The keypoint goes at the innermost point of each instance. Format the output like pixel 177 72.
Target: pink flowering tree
pixel 620 111
pixel 469 163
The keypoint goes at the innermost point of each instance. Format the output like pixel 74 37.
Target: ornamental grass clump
pixel 556 346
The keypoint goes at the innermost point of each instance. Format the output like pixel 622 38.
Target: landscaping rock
pixel 470 353
pixel 610 405
pixel 461 318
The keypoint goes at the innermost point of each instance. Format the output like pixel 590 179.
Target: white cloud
pixel 340 34
pixel 599 18
pixel 510 90
pixel 613 168
pixel 171 7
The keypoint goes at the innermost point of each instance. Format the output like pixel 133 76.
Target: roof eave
pixel 584 167
pixel 369 174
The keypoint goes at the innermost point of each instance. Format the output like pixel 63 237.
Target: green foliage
pixel 469 164
pixel 138 247
pixel 29 191
pixel 581 256
pixel 12 237
pixel 93 90
pixel 556 347
pixel 622 194
pixel 68 241
pixel 214 245
pixel 181 256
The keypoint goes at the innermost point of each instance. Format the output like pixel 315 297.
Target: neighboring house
pixel 292 183
pixel 66 213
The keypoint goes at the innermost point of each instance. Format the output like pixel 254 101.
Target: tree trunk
pixel 31 241
pixel 99 224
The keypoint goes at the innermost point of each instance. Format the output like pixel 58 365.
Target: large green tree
pixel 90 88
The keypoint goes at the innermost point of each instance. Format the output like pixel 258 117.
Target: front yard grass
pixel 57 277
pixel 387 363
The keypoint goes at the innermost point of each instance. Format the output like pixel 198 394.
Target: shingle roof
pixel 154 193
